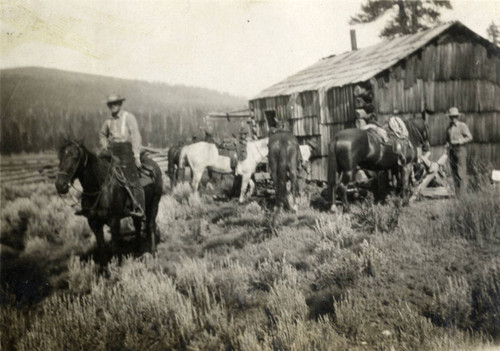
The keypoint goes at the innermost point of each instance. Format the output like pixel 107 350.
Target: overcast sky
pixel 239 47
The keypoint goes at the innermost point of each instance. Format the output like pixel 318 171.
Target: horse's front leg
pixel 251 187
pixel 332 192
pixel 196 180
pixel 173 177
pixel 114 226
pixel 334 187
pixel 245 179
pixel 97 228
pixel 405 183
pixel 179 175
pixel 343 184
pixel 151 229
pixel 211 178
pixel 293 191
pixel 138 228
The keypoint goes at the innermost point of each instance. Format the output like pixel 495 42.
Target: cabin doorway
pixel 272 121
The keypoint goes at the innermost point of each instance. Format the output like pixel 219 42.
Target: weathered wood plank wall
pixel 303 111
pixel 455 70
pixel 452 72
pixel 279 104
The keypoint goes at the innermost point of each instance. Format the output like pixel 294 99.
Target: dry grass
pixel 424 277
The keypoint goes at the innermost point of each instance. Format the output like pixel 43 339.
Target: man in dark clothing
pixel 457 136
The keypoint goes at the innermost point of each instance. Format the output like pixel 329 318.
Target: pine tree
pixel 411 15
pixel 493 33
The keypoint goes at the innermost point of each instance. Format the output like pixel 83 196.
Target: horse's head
pixel 71 156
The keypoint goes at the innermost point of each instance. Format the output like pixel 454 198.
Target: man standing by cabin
pixel 120 136
pixel 457 136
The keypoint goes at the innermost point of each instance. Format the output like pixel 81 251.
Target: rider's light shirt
pixel 121 129
pixel 458 133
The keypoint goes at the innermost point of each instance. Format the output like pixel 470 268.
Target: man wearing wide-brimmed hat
pixel 457 136
pixel 120 136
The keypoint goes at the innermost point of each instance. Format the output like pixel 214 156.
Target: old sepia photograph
pixel 246 175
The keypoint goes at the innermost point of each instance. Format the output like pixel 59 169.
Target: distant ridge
pixel 32 98
pixel 91 89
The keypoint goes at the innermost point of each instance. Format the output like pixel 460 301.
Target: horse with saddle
pixel 375 148
pixel 107 194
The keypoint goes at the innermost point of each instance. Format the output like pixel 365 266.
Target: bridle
pixel 72 175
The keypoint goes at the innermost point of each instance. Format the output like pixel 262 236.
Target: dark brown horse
pixel 104 199
pixel 284 160
pixel 352 149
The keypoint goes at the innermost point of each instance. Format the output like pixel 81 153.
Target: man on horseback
pixel 120 137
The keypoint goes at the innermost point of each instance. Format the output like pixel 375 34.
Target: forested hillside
pixel 39 106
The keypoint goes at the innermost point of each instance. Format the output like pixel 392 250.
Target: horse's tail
pixel 332 170
pixel 171 164
pixel 182 163
pixel 281 173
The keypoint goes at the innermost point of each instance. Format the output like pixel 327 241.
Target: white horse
pixel 203 155
pixel 247 167
pixel 257 151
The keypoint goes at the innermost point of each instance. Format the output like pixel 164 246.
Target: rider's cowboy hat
pixel 114 98
pixel 453 112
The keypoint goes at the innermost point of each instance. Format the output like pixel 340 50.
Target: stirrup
pixel 137 212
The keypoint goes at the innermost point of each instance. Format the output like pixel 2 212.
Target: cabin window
pixel 272 122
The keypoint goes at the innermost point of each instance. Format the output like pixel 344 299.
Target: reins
pixel 71 180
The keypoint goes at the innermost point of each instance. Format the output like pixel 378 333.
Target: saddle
pixel 146 172
pixel 121 171
pixel 393 134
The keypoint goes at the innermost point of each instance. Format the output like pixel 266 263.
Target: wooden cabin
pixel 436 69
pixel 226 124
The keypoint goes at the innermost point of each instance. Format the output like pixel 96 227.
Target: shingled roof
pixel 355 66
